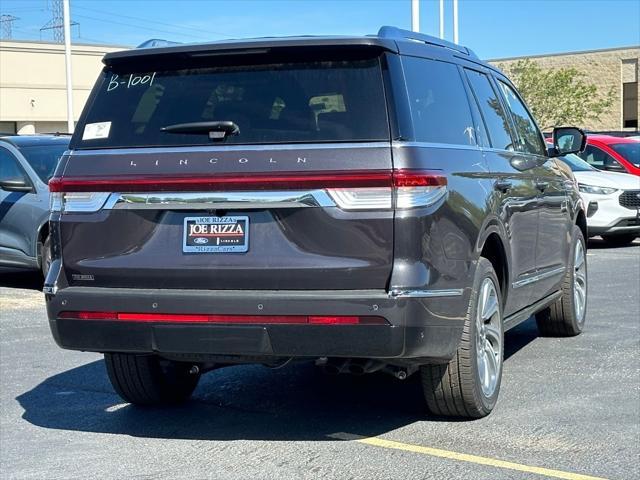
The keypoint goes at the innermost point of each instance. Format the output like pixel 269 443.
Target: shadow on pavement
pixel 598 243
pixel 21 279
pixel 298 402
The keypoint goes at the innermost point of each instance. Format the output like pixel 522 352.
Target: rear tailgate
pixel 299 199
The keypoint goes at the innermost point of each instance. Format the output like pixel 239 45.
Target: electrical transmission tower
pixel 6 26
pixel 57 21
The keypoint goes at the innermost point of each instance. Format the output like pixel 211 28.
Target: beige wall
pixel 604 68
pixel 32 83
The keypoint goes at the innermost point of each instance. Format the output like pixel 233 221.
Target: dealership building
pixel 33 95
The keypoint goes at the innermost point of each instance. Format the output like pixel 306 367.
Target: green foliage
pixel 558 97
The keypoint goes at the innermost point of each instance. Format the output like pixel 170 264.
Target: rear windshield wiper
pixel 217 130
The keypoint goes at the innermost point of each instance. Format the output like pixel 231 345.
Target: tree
pixel 558 97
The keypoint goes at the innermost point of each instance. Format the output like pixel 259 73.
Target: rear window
pixel 311 101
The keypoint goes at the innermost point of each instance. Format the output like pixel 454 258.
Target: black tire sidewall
pixel 483 271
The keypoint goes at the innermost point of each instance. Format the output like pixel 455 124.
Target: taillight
pixel 418 188
pixel 409 188
pixel 226 319
pixel 77 201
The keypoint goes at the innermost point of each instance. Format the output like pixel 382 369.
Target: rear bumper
pixel 425 328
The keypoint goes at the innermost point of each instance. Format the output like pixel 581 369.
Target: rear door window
pixel 438 100
pixel 529 136
pixel 306 101
pixel 494 115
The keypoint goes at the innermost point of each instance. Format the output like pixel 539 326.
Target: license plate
pixel 215 234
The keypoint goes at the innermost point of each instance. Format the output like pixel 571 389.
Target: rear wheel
pixel 619 240
pixel 149 380
pixel 565 318
pixel 468 385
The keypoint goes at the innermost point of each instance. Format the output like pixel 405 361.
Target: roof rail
pixel 400 34
pixel 157 42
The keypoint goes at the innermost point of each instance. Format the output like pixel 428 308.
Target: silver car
pixel 26 164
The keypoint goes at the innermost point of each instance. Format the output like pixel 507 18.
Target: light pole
pixel 67 60
pixel 442 19
pixel 455 21
pixel 415 15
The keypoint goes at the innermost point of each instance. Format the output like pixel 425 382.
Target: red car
pixel 615 154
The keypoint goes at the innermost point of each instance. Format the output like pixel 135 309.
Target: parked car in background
pixel 376 203
pixel 612 200
pixel 614 154
pixel 26 165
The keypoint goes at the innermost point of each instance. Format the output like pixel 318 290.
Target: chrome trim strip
pixel 229 148
pixel 452 292
pixel 226 200
pixel 448 146
pixel 537 278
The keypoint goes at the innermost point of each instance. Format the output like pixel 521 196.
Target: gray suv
pixel 377 203
pixel 26 164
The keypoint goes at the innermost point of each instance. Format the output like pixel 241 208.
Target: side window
pixel 492 111
pixel 439 106
pixel 528 133
pixel 599 158
pixel 9 167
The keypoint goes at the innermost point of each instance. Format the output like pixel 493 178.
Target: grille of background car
pixel 630 199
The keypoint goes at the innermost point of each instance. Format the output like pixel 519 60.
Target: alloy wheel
pixel 488 337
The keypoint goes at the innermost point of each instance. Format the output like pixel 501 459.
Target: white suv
pixel 612 201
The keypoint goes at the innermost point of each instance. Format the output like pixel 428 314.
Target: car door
pixel 515 197
pixel 19 214
pixel 554 223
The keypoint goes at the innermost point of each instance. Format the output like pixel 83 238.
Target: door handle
pixel 502 185
pixel 542 186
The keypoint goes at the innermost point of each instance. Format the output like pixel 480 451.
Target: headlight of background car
pixel 596 190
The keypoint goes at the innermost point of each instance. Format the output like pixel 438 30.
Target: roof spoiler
pixel 399 34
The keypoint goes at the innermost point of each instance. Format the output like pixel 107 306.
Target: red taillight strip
pixel 418 178
pixel 226 319
pixel 251 181
pixel 225 182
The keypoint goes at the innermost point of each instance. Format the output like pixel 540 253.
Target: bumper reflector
pixel 225 319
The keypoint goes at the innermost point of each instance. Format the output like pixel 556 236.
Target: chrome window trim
pixel 418 293
pixel 538 277
pixel 228 148
pixel 448 146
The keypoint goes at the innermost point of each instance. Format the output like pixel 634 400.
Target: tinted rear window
pixel 43 159
pixel 630 151
pixel 312 101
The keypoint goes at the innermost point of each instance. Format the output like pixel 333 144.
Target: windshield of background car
pixel 303 101
pixel 577 164
pixel 43 158
pixel 630 151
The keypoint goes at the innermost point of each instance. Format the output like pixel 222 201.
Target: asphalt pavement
pixel 568 408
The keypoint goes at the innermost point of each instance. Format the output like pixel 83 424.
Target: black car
pixel 374 203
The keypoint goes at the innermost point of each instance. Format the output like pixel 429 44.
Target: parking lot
pixel 568 408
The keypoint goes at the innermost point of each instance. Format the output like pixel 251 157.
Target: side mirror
pixel 16 184
pixel 568 140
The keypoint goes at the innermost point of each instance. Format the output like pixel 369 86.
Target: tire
pixel 45 256
pixel 456 389
pixel 148 380
pixel 565 318
pixel 619 240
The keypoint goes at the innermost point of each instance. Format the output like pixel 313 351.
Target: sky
pixel 492 28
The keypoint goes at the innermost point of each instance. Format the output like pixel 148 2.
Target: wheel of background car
pixel 469 384
pixel 149 380
pixel 45 256
pixel 565 318
pixel 619 240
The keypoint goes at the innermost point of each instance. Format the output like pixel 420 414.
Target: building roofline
pixel 577 52
pixel 73 44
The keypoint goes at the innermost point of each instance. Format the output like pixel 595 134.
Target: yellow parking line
pixel 463 457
